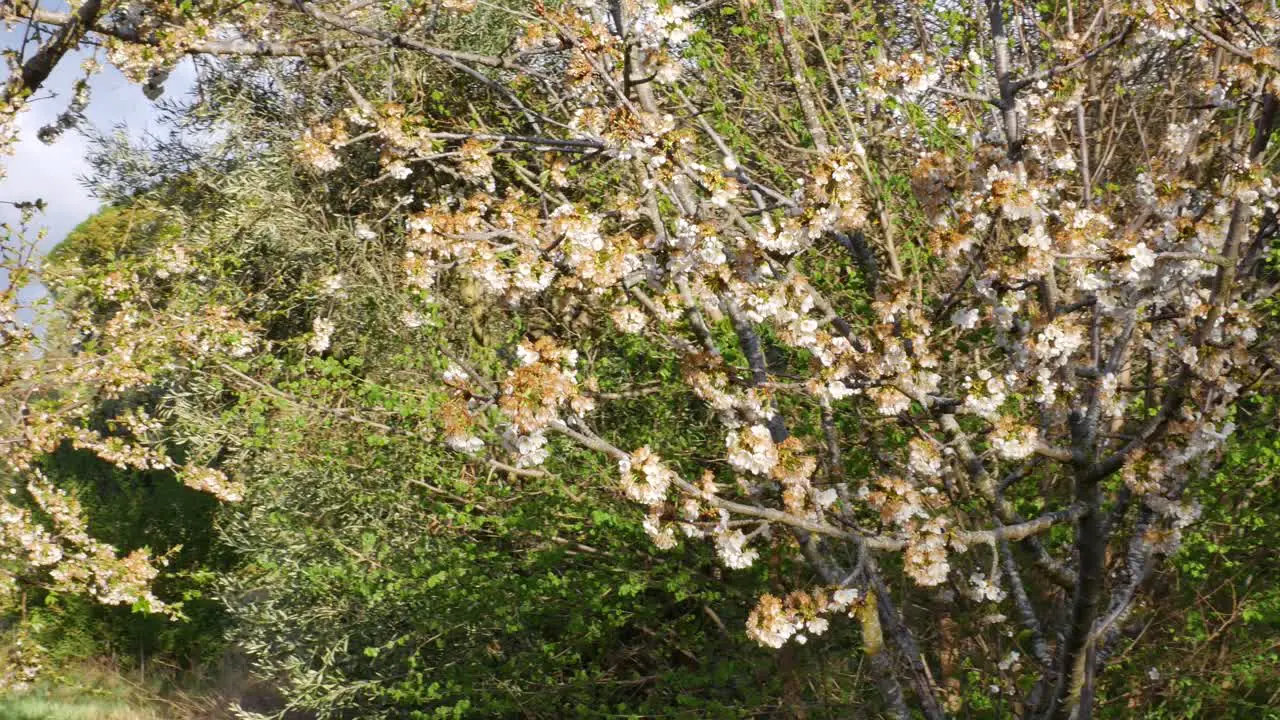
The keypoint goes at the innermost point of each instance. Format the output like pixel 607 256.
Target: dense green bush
pixel 134 509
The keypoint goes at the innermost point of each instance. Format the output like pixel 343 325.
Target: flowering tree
pixel 968 297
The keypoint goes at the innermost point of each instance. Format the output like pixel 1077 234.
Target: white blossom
pixel 965 318
pixel 731 546
pixel 752 450
pixel 321 332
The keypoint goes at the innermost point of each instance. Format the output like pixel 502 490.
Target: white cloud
pixel 53 172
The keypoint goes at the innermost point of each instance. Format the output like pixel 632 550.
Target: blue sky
pixel 54 172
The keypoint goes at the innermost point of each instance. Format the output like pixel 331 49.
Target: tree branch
pixel 38 67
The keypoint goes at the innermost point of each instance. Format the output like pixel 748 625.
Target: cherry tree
pixel 970 295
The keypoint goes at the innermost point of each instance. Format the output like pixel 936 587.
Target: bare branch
pixel 1088 57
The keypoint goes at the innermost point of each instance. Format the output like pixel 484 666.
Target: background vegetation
pixel 369 574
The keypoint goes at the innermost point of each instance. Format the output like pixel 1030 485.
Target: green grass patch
pixel 40 705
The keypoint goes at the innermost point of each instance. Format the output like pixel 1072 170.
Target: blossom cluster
pixel 799 615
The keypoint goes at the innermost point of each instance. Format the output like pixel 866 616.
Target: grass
pixel 37 705
pixel 98 690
